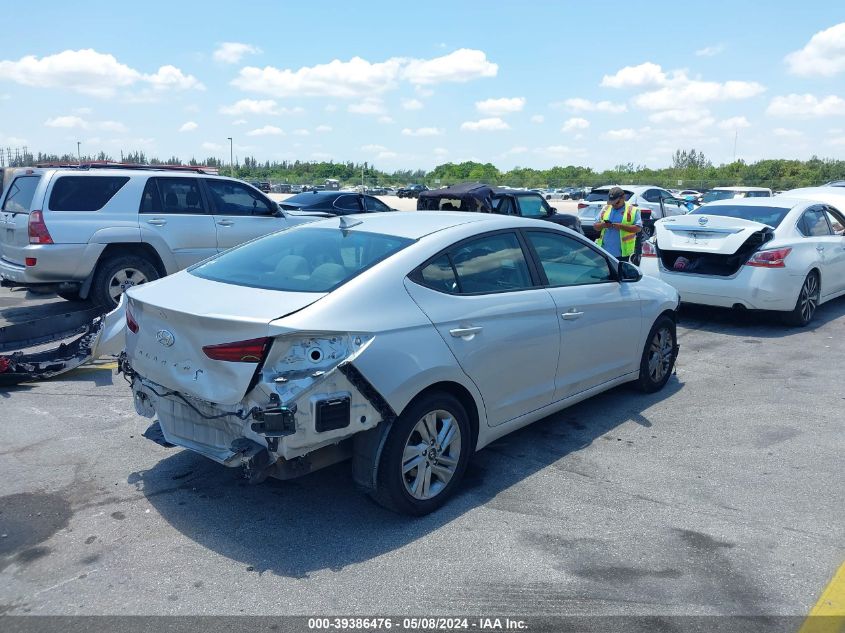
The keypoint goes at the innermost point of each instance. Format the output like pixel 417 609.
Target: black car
pixel 411 191
pixel 485 199
pixel 334 202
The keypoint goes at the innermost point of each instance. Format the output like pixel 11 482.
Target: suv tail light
pixel 38 233
pixel 648 249
pixel 582 205
pixel 251 351
pixel 131 323
pixel 774 258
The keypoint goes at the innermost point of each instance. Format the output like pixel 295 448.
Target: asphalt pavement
pixel 722 494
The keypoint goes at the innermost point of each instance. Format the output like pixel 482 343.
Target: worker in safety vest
pixel 619 223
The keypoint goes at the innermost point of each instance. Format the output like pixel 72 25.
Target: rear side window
pixel 491 264
pixel 600 195
pixel 173 196
pixel 84 193
pixel 21 191
pixel 347 203
pixel 814 223
pixel 439 275
pixel 532 207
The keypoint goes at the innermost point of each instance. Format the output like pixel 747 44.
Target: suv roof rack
pixel 104 164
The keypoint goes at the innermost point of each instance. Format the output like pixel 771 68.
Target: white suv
pixel 93 231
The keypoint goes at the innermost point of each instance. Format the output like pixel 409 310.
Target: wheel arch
pixel 134 248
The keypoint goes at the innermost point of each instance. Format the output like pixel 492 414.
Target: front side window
pixel 84 193
pixel 21 191
pixel 374 205
pixel 234 198
pixel 489 264
pixel 532 207
pixel 347 204
pixel 305 259
pixel 177 196
pixel 814 223
pixel 503 205
pixel 569 262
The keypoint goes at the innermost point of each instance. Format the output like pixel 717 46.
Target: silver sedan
pixel 404 341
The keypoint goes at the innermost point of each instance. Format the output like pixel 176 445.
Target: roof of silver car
pixel 780 202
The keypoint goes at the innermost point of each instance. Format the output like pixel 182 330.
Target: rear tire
pixel 807 302
pixel 69 295
pixel 116 274
pixel 659 353
pixel 425 456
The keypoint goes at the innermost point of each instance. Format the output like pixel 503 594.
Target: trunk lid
pixel 701 233
pixel 179 315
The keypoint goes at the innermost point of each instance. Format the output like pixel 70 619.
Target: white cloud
pixel 806 106
pixel 423 92
pixel 373 148
pixel 625 134
pixel 559 151
pixel 538 118
pixel 330 108
pixel 211 147
pixel 734 123
pixel 440 151
pixel 323 128
pixel 823 55
pixel 192 108
pixel 370 105
pixel 301 132
pixel 578 104
pixel 513 151
pixel 486 125
pixel 787 133
pixel 680 115
pixel 422 131
pixel 497 107
pixel 412 104
pixel 459 66
pixel 683 90
pixel 386 155
pixel 171 78
pixel 92 73
pixel 239 122
pixel 575 123
pixel 385 119
pixel 710 51
pixel 647 74
pixel 258 106
pixel 82 111
pixel 267 130
pixel 12 140
pixel 232 52
pixel 188 126
pixel 75 122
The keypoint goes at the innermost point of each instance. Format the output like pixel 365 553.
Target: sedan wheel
pixel 425 455
pixel 808 301
pixel 658 358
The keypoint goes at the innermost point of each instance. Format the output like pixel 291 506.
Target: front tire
pixel 658 359
pixel 807 302
pixel 117 274
pixel 425 456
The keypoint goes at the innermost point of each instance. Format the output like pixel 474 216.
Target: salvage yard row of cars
pixel 389 338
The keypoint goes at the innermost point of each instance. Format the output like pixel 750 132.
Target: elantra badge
pixel 703 220
pixel 165 338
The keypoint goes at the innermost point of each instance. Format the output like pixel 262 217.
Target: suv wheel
pixel 425 456
pixel 117 274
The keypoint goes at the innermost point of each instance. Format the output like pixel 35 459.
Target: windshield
pixel 772 216
pixel 301 260
pixel 600 195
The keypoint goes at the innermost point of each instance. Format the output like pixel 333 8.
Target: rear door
pixel 174 218
pixel 837 247
pixel 600 318
pixel 240 212
pixel 815 225
pixel 502 329
pixel 14 217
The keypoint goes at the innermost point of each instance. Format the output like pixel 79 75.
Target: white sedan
pixel 783 254
pixel 405 341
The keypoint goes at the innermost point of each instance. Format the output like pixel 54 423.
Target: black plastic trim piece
pixel 368 391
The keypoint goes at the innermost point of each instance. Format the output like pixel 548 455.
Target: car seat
pixel 327 275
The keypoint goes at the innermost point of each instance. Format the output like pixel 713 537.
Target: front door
pixel 502 329
pixel 241 213
pixel 599 316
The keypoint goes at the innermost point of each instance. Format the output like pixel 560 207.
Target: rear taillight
pixel 131 323
pixel 251 351
pixel 30 261
pixel 775 258
pixel 38 233
pixel 648 249
pixel 582 205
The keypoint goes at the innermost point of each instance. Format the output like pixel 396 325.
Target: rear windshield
pixel 722 194
pixel 84 193
pixel 600 195
pixel 306 199
pixel 19 198
pixel 301 260
pixel 772 216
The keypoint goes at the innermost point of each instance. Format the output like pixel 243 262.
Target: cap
pixel 615 192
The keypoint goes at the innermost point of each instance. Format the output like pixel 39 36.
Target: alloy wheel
pixel 809 298
pixel 431 455
pixel 660 354
pixel 124 279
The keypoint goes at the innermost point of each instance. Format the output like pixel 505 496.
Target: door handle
pixel 157 221
pixel 225 223
pixel 460 332
pixel 571 315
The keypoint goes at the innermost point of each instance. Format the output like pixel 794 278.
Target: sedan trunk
pixel 709 245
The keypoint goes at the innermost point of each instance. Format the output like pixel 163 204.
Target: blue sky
pixel 413 85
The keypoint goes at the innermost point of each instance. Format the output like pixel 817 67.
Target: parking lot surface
pixel 722 494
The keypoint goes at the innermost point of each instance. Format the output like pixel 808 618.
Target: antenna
pixel 348 224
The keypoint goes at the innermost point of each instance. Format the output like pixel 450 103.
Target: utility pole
pixel 231 156
pixel 362 179
pixel 78 153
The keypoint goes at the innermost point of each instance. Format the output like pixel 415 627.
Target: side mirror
pixel 629 273
pixel 553 210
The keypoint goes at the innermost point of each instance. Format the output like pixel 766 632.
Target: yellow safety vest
pixel 628 241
